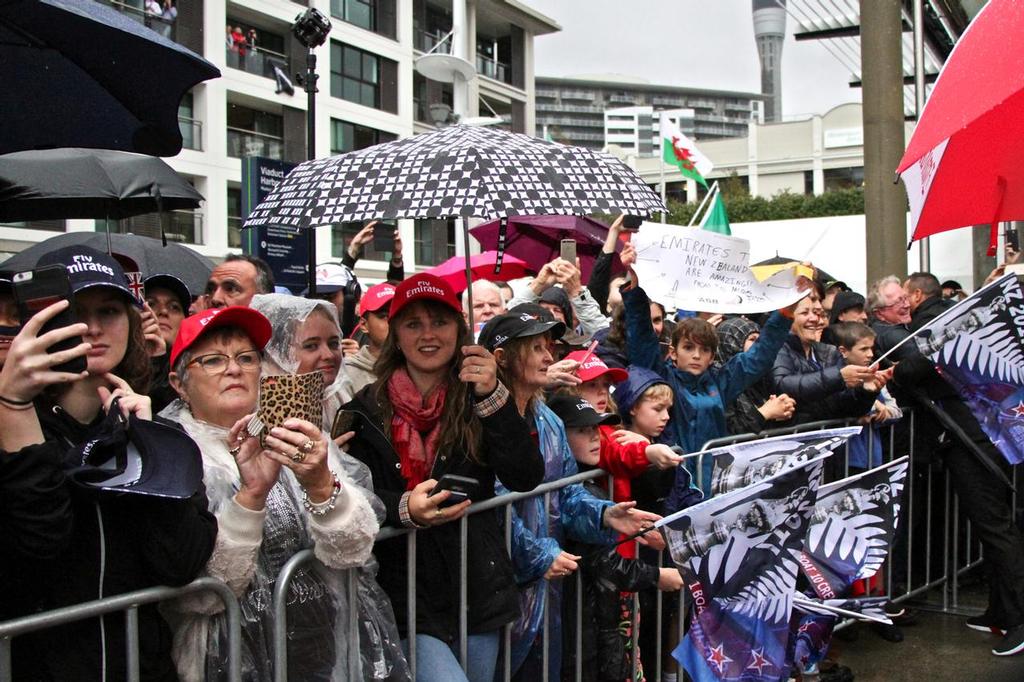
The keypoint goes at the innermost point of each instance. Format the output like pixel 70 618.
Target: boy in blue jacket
pixel 701 392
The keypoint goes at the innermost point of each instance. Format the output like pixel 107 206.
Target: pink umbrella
pixel 453 270
pixel 963 164
pixel 537 239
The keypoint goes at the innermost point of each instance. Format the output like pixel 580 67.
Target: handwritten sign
pixel 693 269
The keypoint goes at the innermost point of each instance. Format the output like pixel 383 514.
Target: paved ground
pixel 938 648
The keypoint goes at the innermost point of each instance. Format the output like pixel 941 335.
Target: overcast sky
pixel 694 43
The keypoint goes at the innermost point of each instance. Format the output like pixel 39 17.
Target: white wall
pixel 836 245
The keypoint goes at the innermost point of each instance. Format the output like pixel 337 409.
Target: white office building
pixel 637 130
pixel 369 92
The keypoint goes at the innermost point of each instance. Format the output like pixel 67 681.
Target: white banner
pixel 693 269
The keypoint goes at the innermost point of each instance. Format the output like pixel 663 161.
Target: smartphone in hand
pixel 41 288
pixel 568 250
pixel 384 237
pixel 461 487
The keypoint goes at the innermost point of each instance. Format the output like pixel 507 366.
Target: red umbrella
pixel 453 270
pixel 537 239
pixel 963 164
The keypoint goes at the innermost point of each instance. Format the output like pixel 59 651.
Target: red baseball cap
pixel 424 287
pixel 192 328
pixel 376 297
pixel 595 367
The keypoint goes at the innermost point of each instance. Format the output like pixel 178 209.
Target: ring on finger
pixel 439 512
pixel 299 456
pixel 307 447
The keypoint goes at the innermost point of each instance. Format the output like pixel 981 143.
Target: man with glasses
pixel 945 425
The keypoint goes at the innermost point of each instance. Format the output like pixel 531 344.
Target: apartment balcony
pixel 191 133
pixel 256 60
pixel 243 143
pixel 135 12
pixel 492 68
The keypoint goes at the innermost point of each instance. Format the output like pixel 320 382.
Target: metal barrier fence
pixel 129 603
pixel 954 548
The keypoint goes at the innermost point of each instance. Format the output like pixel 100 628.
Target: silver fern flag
pixel 741 464
pixel 852 528
pixel 978 348
pixel 739 553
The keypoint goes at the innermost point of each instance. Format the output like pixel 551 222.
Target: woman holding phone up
pixel 417 423
pixel 116 543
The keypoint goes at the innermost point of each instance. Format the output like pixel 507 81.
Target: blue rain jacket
pixel 538 533
pixel 698 413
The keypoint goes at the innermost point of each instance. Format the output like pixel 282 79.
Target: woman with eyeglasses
pixel 270 502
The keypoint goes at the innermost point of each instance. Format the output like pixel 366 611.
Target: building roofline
pixel 624 85
pixel 538 23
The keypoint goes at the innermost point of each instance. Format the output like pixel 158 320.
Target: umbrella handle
pixel 470 397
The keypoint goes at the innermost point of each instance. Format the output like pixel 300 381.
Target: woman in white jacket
pixel 270 504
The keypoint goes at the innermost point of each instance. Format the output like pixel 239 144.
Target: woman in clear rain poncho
pixel 270 504
pixel 307 337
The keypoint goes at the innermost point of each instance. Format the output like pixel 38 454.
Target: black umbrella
pixel 54 184
pixel 76 73
pixel 152 257
pixel 769 266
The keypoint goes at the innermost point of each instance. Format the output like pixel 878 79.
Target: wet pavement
pixel 937 648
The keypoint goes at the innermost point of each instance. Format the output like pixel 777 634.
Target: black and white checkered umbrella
pixel 460 171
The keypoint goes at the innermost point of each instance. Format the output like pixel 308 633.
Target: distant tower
pixel 770 32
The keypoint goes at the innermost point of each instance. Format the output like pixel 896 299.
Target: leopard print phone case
pixel 285 396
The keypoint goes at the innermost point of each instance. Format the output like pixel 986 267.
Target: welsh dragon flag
pixel 680 151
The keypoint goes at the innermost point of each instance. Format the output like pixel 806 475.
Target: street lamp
pixel 311 28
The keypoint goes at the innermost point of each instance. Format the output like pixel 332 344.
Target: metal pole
pixel 463 595
pixel 919 86
pixel 131 640
pixel 885 204
pixel 311 154
pixel 410 596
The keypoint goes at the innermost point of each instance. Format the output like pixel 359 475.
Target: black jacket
pixel 511 455
pixel 817 385
pixel 119 543
pixel 605 573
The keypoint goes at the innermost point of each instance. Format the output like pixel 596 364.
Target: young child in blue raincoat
pixel 701 392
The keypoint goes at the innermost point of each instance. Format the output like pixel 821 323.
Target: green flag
pixel 715 218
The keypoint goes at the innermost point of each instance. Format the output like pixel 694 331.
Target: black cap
pixel 575 411
pixel 88 268
pixel 952 284
pixel 523 320
pixel 172 284
pixel 844 300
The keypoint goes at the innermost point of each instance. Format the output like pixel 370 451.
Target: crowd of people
pixel 424 415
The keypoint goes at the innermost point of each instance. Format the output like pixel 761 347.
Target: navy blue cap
pixel 88 268
pixel 629 391
pixel 172 284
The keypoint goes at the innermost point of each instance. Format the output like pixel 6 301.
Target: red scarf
pixel 415 415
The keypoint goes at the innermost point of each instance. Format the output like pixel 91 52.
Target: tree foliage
pixel 743 208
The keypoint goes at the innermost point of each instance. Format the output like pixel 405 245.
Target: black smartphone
pixel 384 236
pixel 345 421
pixel 37 289
pixel 632 222
pixel 461 487
pixel 1011 239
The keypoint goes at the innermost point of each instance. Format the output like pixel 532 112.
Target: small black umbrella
pixel 152 257
pixel 76 73
pixel 54 184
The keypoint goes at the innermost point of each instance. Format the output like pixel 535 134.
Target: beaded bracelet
pixel 321 508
